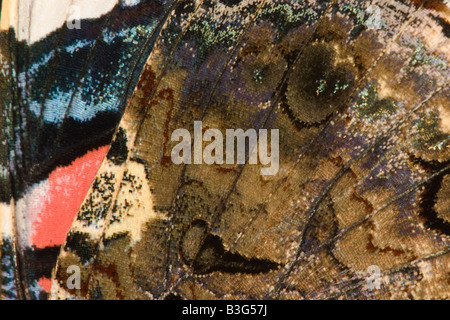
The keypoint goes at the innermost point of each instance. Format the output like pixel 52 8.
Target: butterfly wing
pixel 359 93
pixel 68 69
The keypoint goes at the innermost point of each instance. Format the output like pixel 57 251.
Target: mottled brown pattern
pixel 361 116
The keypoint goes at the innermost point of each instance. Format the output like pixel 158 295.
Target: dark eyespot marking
pixel 317 86
pixel 213 257
pixel 205 253
pixel 434 207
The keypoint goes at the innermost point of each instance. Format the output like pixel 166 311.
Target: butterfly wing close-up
pixel 225 149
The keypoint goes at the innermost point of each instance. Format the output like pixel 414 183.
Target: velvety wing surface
pixel 68 69
pixel 359 93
